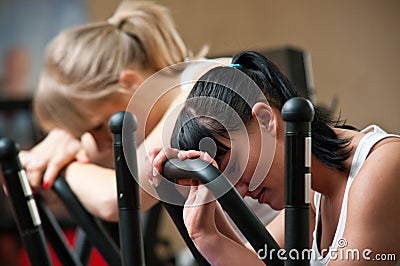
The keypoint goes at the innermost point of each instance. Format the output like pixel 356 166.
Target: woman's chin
pixel 276 208
pixel 275 203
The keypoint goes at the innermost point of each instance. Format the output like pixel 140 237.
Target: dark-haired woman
pixel 355 174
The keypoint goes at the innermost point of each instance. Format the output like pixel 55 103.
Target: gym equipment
pixel 90 230
pixel 128 190
pixel 131 239
pixel 298 114
pixel 241 214
pixel 29 212
pixel 94 230
pixel 25 210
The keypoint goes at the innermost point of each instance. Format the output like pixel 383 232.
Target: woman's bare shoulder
pixel 374 194
pixel 373 209
pixel 380 171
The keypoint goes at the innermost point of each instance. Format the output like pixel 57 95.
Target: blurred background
pixel 354 47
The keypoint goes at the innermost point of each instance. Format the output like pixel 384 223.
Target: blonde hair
pixel 83 64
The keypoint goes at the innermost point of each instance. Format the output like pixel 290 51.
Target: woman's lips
pixel 261 196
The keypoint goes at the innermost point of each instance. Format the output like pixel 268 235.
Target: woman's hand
pixel 219 248
pixel 159 156
pixel 50 156
pixel 200 206
pixel 199 214
pixel 203 216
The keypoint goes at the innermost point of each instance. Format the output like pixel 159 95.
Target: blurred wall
pixel 25 29
pixel 354 45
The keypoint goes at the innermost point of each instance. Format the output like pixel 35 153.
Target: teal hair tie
pixel 235 65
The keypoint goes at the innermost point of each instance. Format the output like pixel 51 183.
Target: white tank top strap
pixel 373 135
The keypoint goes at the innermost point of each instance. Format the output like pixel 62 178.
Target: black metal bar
pixel 96 234
pixel 298 114
pixel 175 211
pixel 23 204
pixel 150 238
pixel 131 238
pixel 231 201
pixel 83 248
pixel 56 237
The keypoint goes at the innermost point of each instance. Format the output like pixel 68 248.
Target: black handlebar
pixel 131 238
pixel 23 204
pixel 298 114
pixel 128 191
pixel 231 201
pixel 96 233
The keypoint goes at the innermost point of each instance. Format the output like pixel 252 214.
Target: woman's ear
pixel 129 79
pixel 266 117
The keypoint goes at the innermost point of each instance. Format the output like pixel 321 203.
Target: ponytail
pixel 204 117
pixel 326 145
pixel 152 27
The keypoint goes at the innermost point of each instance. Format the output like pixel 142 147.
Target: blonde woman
pixel 91 72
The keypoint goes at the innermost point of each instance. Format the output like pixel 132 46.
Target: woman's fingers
pixel 162 157
pixel 157 158
pixel 53 169
pixel 82 157
pixel 153 153
pixel 157 163
pixel 24 157
pixel 199 212
pixel 34 170
pixel 206 157
pixel 192 154
pixel 191 199
pixel 49 157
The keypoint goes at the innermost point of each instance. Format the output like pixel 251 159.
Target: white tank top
pixel 373 135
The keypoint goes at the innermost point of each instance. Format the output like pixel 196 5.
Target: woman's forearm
pixel 220 250
pixel 224 226
pixel 96 189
